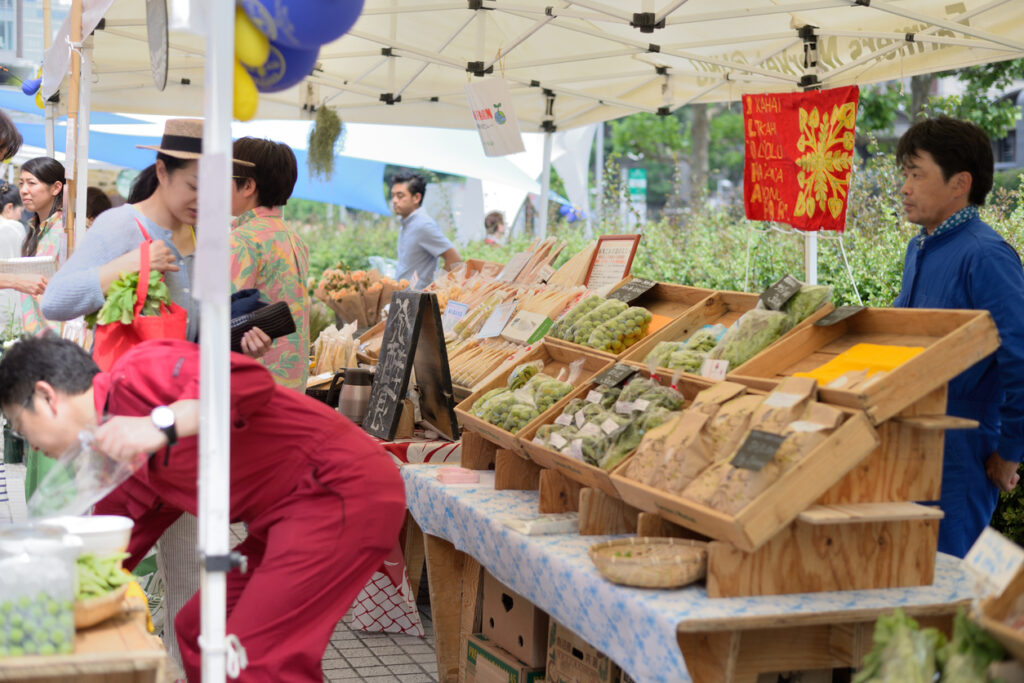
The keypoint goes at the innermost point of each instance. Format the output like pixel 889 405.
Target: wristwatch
pixel 163 419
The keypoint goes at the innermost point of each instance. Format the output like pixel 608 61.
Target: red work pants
pixel 309 556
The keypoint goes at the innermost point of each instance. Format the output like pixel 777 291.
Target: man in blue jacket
pixel 957 261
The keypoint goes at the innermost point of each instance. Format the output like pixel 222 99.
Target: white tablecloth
pixel 635 627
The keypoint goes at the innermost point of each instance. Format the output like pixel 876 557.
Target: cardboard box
pixel 488 663
pixel 572 660
pixel 514 623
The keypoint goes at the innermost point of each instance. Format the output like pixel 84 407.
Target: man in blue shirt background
pixel 420 241
pixel 958 261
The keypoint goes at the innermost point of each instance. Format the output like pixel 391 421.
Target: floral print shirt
pixel 52 242
pixel 269 256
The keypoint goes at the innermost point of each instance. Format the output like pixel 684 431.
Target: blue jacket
pixel 971 266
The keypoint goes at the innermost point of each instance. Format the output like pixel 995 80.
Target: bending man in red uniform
pixel 323 503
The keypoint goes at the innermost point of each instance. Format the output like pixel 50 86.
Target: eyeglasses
pixel 14 419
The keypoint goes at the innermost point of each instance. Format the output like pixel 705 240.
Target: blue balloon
pixel 303 24
pixel 30 86
pixel 564 209
pixel 284 68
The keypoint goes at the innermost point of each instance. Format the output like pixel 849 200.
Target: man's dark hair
pixel 416 183
pixel 96 202
pixel 275 171
pixel 955 146
pixel 59 362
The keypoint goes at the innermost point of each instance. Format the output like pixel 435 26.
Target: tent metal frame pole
pixel 599 179
pixel 82 140
pixel 810 39
pixel 757 10
pixel 212 286
pixel 668 9
pixel 953 26
pixel 545 175
pixel 918 38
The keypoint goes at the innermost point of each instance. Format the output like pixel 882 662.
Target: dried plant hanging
pixel 323 138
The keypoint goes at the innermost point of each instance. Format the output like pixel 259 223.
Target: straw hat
pixel 183 139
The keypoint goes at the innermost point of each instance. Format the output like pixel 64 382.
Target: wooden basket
pixel 96 610
pixel 953 341
pixel 651 562
pixel 555 358
pixel 992 617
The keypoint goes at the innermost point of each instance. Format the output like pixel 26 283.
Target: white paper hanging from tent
pixel 490 102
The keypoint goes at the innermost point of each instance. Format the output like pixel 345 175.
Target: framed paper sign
pixel 612 260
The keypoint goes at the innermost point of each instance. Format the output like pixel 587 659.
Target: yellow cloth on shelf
pixel 871 357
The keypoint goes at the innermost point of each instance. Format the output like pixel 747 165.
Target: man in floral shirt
pixel 268 255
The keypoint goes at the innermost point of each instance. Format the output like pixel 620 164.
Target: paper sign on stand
pixel 994 560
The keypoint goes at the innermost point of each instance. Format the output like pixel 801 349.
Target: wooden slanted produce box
pixel 555 359
pixel 996 610
pixel 936 346
pixel 575 469
pixel 665 301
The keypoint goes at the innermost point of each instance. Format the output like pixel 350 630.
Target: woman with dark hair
pixel 96 202
pixel 42 193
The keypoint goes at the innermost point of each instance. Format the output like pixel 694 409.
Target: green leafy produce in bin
pixel 902 652
pixel 751 334
pixel 622 331
pixel 586 325
pixel 561 327
pixel 805 302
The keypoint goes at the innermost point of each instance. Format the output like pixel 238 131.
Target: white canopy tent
pixel 569 63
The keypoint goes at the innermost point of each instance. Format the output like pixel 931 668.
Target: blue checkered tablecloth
pixel 635 627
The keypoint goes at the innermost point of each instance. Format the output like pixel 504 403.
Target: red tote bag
pixel 114 339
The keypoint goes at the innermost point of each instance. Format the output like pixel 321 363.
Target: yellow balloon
pixel 246 96
pixel 251 47
pixel 39 99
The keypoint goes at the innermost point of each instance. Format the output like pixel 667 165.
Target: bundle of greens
pixel 749 336
pixel 121 298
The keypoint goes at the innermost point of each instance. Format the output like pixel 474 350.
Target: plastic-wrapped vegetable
pixel 565 323
pixel 902 653
pixel 622 331
pixel 522 373
pixel 626 440
pixel 966 658
pixel 706 338
pixel 589 447
pixel 480 406
pixel 659 355
pixel 518 416
pixel 580 332
pixel 643 388
pixel 805 302
pixel 687 360
pixel 546 391
pixel 752 333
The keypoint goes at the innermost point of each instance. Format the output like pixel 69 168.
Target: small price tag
pixel 609 426
pixel 624 407
pixel 633 289
pixel 593 396
pixel 576 449
pixel 641 404
pixel 453 313
pixel 776 296
pixel 497 320
pixel 615 375
pixel 581 419
pixel 539 441
pixel 758 450
pixel 995 559
pixel 558 441
pixel 565 419
pixel 714 369
pixel 839 315
pixel 590 429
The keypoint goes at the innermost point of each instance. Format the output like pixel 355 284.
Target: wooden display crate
pixel 720 308
pixel 775 508
pixel 993 613
pixel 116 651
pixel 664 299
pixel 953 341
pixel 555 358
pixel 577 470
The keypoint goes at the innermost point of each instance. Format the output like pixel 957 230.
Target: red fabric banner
pixel 799 153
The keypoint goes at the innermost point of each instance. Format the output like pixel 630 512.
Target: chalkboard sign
pixel 776 296
pixel 839 315
pixel 758 450
pixel 632 290
pixel 615 375
pixel 413 338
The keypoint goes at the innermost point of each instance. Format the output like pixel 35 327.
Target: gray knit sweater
pixel 75 289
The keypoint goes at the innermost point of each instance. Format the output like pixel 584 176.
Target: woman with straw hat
pixel 166 212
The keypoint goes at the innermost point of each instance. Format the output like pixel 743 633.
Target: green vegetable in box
pixel 564 324
pixel 480 406
pixel 119 303
pixel 656 395
pixel 662 351
pixel 706 338
pixel 966 658
pixel 902 652
pixel 546 391
pixel 519 415
pixel 626 441
pixel 590 446
pixel 545 432
pixel 522 373
pixel 805 302
pixel 586 325
pixel 98 576
pixel 36 625
pixel 752 333
pixel 622 331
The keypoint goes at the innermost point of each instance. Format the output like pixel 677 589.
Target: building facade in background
pixel 21 29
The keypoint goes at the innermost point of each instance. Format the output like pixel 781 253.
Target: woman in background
pixel 42 194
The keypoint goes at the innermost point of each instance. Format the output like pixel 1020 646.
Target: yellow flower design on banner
pixel 827 143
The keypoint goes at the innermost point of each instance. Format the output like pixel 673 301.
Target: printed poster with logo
pixel 799 155
pixel 491 105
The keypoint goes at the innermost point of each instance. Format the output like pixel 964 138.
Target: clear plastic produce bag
pixel 82 477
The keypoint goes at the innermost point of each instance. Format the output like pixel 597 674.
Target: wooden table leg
pixel 412 548
pixel 471 618
pixel 444 575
